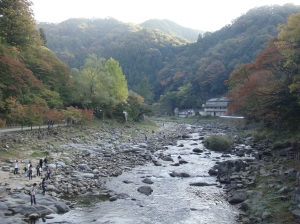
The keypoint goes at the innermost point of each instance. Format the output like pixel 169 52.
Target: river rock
pixel 213 172
pixel 12 220
pixel 84 167
pixel 62 207
pixel 201 184
pixel 176 174
pixel 266 215
pixel 5 168
pixel 167 158
pixel 88 175
pixel 61 164
pixel 145 190
pixel 197 150
pixel 182 161
pixel 237 197
pixel 147 181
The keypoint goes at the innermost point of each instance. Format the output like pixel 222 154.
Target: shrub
pixel 2 123
pixel 218 142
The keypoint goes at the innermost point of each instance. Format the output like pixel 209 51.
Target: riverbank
pixel 83 159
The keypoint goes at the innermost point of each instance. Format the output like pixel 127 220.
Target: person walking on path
pixel 16 167
pixel 32 194
pixel 44 186
pixel 30 173
pixel 48 173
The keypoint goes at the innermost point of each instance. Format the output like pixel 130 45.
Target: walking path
pixel 4 130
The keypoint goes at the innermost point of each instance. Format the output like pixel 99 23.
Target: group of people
pixel 28 170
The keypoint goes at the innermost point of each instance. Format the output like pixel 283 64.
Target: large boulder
pixel 62 207
pixel 145 190
pixel 237 197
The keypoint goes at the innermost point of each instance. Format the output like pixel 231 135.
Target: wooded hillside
pixel 157 64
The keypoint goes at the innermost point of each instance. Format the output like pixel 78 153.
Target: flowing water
pixel 173 200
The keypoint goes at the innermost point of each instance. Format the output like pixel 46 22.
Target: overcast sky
pixel 207 15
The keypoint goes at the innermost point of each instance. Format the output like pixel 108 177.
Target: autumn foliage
pixel 267 90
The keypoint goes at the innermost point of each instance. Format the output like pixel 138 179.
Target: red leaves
pixel 15 78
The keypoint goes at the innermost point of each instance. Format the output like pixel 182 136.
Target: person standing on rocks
pixel 44 186
pixel 30 173
pixel 25 170
pixel 46 161
pixel 41 163
pixel 28 168
pixel 32 194
pixel 16 167
pixel 38 173
pixel 48 173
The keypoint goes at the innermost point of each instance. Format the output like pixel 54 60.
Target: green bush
pixel 218 142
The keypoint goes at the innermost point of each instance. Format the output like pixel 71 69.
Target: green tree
pixel 119 89
pixel 17 25
pixel 43 36
pixel 94 83
pixel 144 89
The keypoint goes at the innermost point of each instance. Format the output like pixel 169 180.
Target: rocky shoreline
pixel 82 164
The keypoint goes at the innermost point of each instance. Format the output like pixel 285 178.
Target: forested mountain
pixel 142 52
pixel 169 27
pixel 201 69
pixel 166 68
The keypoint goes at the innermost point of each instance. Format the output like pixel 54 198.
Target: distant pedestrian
pixel 129 140
pixel 16 166
pixel 28 168
pixel 48 173
pixel 32 194
pixel 146 138
pixel 38 173
pixel 25 170
pixel 46 161
pixel 30 173
pixel 44 186
pixel 41 163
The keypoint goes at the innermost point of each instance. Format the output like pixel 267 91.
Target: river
pixel 173 200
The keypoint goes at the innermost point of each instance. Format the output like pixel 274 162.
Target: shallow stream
pixel 173 200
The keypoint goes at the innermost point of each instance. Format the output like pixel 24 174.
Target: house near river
pixel 212 107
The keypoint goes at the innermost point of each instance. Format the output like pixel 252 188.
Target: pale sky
pixel 209 15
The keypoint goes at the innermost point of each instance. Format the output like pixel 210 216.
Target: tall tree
pixel 119 88
pixel 94 83
pixel 17 25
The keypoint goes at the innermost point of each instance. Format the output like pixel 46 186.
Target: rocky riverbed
pixel 83 165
